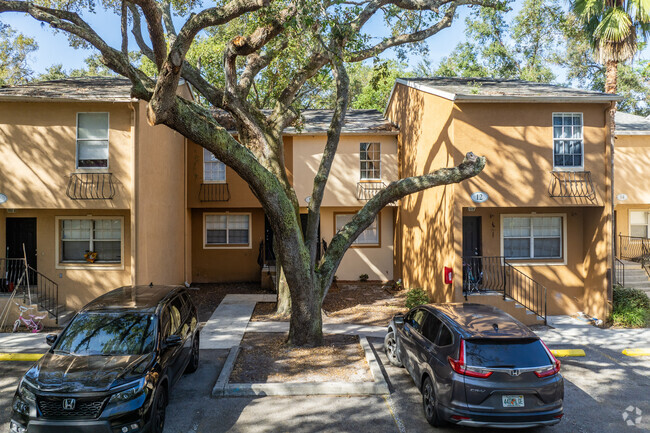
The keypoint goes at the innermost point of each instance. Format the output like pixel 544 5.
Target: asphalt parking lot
pixel 598 390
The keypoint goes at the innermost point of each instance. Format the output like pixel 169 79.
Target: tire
pixel 390 347
pixel 194 359
pixel 158 410
pixel 39 327
pixel 16 326
pixel 429 403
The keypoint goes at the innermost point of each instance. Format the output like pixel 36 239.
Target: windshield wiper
pixel 61 352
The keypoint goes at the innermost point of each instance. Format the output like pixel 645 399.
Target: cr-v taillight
pixel 459 366
pixel 553 369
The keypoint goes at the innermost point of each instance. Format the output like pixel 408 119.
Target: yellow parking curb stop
pixel 637 352
pixel 561 353
pixel 20 356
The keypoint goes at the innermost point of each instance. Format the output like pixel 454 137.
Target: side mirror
pixel 398 320
pixel 172 341
pixel 50 339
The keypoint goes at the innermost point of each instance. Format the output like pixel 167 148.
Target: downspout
pixel 612 135
pixel 134 194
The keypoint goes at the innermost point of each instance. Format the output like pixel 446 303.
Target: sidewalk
pixel 23 342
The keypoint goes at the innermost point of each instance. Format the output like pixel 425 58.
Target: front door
pixel 269 255
pixel 471 236
pixel 22 231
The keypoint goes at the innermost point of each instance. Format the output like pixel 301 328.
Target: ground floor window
pixel 91 240
pixel 226 229
pixel 532 237
pixel 639 223
pixel 369 237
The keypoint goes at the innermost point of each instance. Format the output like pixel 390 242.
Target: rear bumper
pixel 506 420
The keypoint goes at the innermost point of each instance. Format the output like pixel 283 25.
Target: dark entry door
pixel 22 231
pixel 303 225
pixel 471 236
pixel 269 255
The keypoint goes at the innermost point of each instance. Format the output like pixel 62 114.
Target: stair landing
pixel 508 305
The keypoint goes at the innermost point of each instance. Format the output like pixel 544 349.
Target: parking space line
pixel 20 356
pixel 561 353
pixel 637 352
pixel 398 422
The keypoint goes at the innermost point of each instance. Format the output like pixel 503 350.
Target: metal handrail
pixel 91 186
pixel 482 274
pixel 619 272
pixel 17 277
pixel 633 247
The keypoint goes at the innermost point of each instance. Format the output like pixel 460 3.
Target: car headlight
pixel 25 393
pixel 129 393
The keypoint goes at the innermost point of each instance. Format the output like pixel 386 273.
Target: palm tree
pixel 613 28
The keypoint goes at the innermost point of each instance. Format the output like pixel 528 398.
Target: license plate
pixel 513 400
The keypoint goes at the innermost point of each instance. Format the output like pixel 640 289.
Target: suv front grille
pixel 53 407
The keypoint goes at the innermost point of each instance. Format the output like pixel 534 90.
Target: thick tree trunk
pixel 284 295
pixel 611 76
pixel 306 325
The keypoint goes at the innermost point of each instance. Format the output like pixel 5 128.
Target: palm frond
pixel 615 26
pixel 619 51
pixel 585 10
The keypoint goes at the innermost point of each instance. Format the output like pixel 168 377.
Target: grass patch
pixel 631 308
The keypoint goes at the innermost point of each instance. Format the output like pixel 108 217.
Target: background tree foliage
pixel 14 56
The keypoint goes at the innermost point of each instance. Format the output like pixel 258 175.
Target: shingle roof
pixel 86 89
pixel 631 124
pixel 356 122
pixel 499 90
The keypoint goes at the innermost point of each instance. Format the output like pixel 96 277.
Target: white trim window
pixel 532 237
pixel 91 240
pixel 568 143
pixel 227 229
pixel 92 140
pixel 213 169
pixel 370 161
pixel 639 224
pixel 370 236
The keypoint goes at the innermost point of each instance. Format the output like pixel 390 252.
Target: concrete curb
pixel 637 352
pixel 20 356
pixel 378 386
pixel 562 353
pixel 222 380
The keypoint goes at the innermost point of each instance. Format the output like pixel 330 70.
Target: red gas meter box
pixel 449 275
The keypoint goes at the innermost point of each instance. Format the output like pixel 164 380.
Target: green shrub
pixel 363 277
pixel 416 297
pixel 631 308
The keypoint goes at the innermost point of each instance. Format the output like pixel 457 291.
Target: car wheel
pixel 390 347
pixel 194 360
pixel 159 409
pixel 429 403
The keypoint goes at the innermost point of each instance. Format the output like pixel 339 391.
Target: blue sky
pixel 54 47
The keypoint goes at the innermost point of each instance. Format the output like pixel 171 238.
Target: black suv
pixel 477 366
pixel 111 369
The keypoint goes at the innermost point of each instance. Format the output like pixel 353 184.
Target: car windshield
pixel 108 334
pixel 506 354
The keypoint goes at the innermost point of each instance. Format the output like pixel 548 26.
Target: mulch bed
pixel 267 358
pixel 208 296
pixel 360 303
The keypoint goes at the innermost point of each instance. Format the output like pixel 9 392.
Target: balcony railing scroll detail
pixel 483 274
pixel 214 192
pixel 91 186
pixel 575 184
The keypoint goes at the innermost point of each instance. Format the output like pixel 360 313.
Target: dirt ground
pixel 208 296
pixel 266 358
pixel 350 302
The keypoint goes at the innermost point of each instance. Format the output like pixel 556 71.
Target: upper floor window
pixel 213 169
pixel 568 149
pixel 92 140
pixel 532 237
pixel 639 224
pixel 370 157
pixel 91 240
pixel 368 237
pixel 227 229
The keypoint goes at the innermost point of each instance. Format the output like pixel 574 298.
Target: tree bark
pixel 284 295
pixel 611 76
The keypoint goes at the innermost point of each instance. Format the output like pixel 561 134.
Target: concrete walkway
pixel 23 342
pixel 227 325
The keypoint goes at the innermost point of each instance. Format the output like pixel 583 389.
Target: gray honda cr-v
pixel 477 366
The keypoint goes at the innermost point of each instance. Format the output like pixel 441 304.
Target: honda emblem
pixel 515 372
pixel 69 403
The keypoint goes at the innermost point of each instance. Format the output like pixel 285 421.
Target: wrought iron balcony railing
pixel 214 192
pixel 91 186
pixel 575 184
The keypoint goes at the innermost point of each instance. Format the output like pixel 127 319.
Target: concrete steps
pixel 509 305
pixel 636 277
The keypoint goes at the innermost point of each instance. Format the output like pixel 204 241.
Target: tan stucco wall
pixel 226 264
pixel 160 216
pixel 78 284
pixel 38 153
pixel 424 238
pixel 631 168
pixel 344 176
pixel 376 261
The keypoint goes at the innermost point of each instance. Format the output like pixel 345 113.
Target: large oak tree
pixel 300 40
